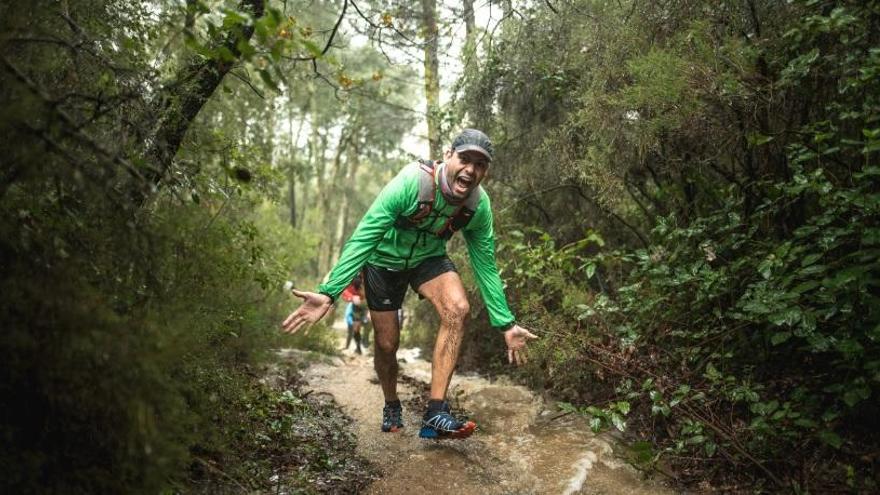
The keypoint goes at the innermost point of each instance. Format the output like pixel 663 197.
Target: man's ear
pixel 448 154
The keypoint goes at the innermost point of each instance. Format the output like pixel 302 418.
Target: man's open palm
pixel 516 339
pixel 313 308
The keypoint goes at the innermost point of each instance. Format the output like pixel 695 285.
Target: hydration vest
pixel 427 192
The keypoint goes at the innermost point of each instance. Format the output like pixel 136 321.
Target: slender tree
pixel 430 34
pixel 181 100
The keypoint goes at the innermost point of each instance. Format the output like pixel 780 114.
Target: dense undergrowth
pixel 132 362
pixel 140 302
pixel 692 230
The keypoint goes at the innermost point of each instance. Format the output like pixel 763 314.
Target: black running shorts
pixel 386 288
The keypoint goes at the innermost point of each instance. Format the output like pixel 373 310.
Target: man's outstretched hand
pixel 517 339
pixel 312 309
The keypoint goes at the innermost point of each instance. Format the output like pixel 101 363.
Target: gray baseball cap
pixel 473 140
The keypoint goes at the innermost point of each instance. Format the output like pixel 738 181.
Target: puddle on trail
pixel 521 446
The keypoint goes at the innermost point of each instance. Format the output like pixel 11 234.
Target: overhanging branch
pixel 329 43
pixel 179 104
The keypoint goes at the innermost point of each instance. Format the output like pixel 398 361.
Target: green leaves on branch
pixel 613 414
pixel 221 37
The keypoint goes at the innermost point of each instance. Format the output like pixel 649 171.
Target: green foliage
pixel 279 440
pixel 137 314
pixel 726 154
pixel 119 349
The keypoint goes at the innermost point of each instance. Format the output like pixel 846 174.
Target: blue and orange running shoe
pixel 392 417
pixel 440 424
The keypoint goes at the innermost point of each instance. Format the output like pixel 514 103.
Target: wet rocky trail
pixel 522 445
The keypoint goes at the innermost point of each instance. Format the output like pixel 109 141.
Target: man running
pixel 401 241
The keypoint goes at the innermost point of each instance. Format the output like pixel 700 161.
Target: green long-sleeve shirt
pixel 377 241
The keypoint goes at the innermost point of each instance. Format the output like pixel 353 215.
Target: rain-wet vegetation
pixel 686 209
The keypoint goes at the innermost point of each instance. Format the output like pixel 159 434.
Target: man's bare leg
pixel 447 294
pixel 386 340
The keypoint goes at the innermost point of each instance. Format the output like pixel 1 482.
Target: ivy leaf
pixel 805 423
pixel 245 49
pixel 779 337
pixel 664 410
pixel 696 439
pixel 756 139
pixel 710 448
pixel 232 19
pixel 788 316
pixel 267 79
pixel 804 287
pixel 225 54
pixel 618 421
pixel 830 438
pixel 856 394
pixel 766 268
pixel 314 49
pixel 813 269
pixel 590 270
pixel 810 259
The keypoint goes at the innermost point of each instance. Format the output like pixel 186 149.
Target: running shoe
pixel 392 417
pixel 440 424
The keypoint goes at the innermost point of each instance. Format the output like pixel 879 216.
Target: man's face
pixel 464 171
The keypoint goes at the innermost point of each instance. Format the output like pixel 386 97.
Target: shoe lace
pixel 443 421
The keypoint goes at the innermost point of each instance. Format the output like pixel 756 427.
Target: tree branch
pixel 329 40
pixel 379 28
pixel 248 82
pixel 613 215
pixel 70 127
pixel 591 200
pixel 179 104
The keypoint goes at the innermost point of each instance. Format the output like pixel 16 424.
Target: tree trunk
pixel 432 75
pixel 316 155
pixel 179 103
pixel 349 189
pixel 292 161
pixel 331 195
pixel 470 27
pixel 291 192
pixel 507 8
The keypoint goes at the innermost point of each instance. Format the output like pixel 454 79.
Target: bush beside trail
pixel 131 363
pixel 693 230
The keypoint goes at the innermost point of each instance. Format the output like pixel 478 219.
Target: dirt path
pixel 521 446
